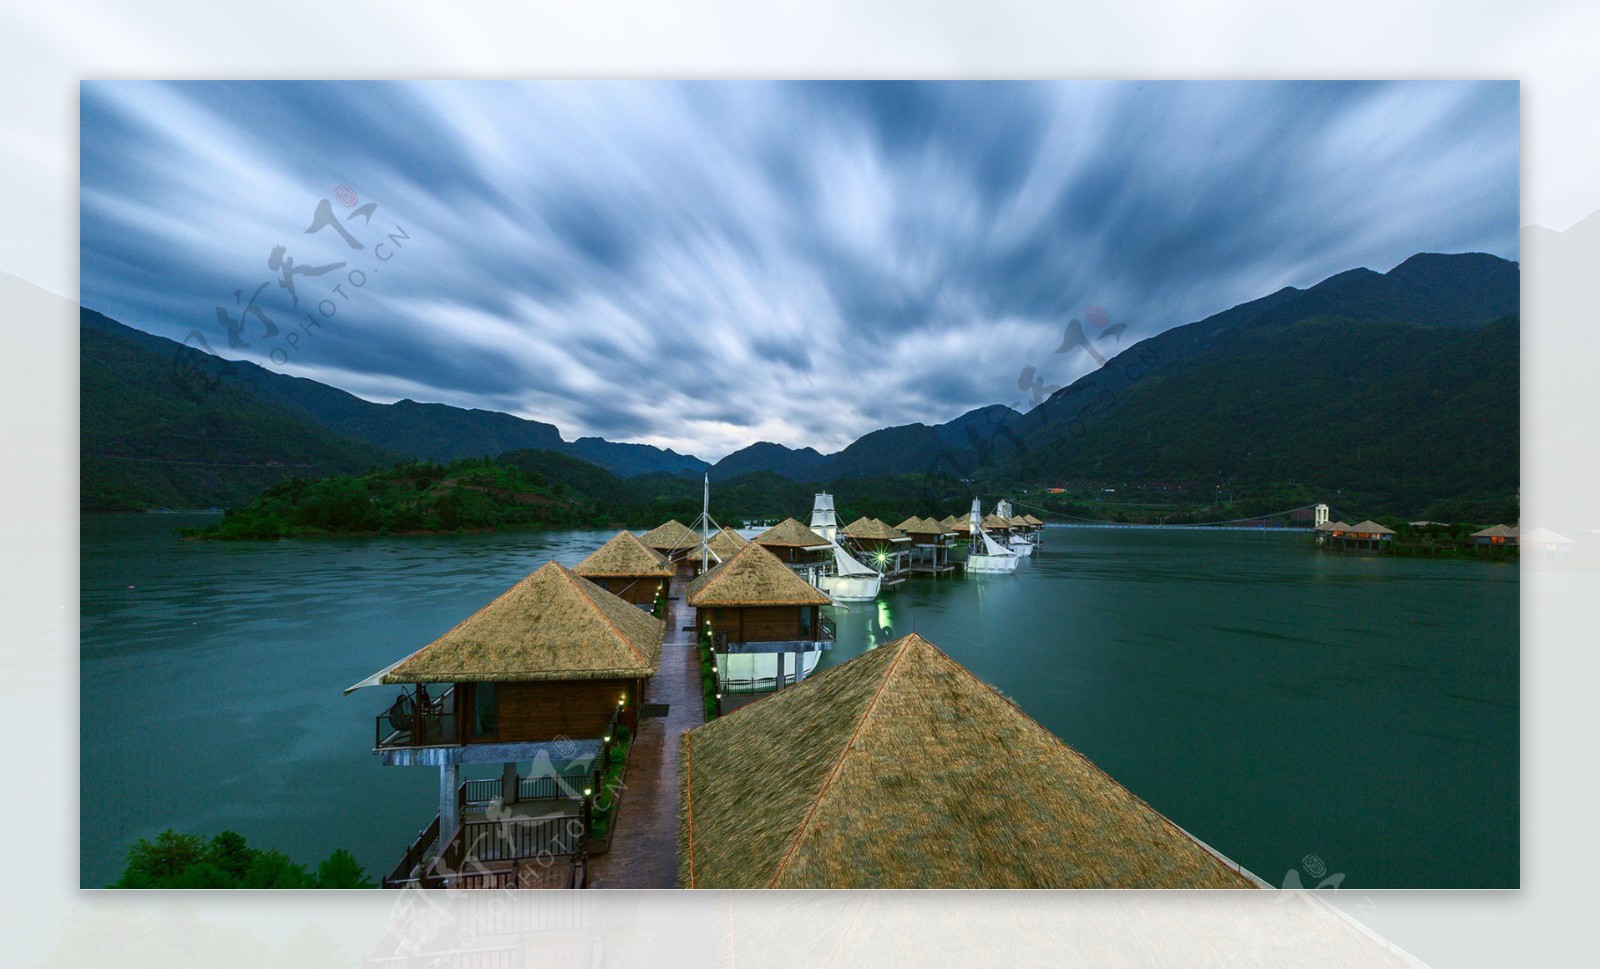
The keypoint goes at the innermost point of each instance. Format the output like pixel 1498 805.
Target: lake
pixel 1277 702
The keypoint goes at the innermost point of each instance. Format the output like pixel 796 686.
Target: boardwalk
pixel 644 839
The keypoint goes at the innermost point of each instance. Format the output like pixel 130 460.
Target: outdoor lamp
pixel 587 792
pixel 606 739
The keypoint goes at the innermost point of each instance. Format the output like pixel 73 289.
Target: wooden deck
pixel 644 836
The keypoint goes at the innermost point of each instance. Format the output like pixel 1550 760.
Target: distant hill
pixel 153 435
pixel 1401 386
pixel 959 445
pixel 168 425
pixel 798 464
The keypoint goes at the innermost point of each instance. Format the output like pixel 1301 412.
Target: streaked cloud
pixel 704 265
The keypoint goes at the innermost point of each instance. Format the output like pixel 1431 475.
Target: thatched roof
pixel 624 555
pixel 753 576
pixel 873 529
pixel 992 521
pixel 1367 525
pixel 1029 518
pixel 1336 526
pixel 1499 531
pixel 900 769
pixel 727 542
pixel 956 524
pixel 671 536
pixel 918 526
pixel 790 532
pixel 552 625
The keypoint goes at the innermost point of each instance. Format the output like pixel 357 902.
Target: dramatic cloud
pixel 701 266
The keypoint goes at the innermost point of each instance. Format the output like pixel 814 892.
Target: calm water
pixel 1275 702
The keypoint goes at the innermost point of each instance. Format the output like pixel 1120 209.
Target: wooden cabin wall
pixel 753 623
pixel 546 710
pixel 634 589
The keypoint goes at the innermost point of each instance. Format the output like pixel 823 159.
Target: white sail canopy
pixel 847 565
pixel 824 520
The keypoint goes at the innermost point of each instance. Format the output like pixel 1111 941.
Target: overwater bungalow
pixel 628 568
pixel 880 546
pixel 1324 533
pixel 678 543
pixel 1366 535
pixel 796 546
pixel 764 622
pixel 1497 535
pixel 901 769
pixel 930 545
pixel 543 675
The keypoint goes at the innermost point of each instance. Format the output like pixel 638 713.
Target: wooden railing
pixel 408 871
pixel 485 853
pixel 411 722
pixel 476 791
pixel 569 785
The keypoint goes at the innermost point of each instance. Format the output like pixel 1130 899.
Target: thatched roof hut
pixel 992 521
pixel 1336 526
pixel 752 576
pixel 552 625
pixel 671 536
pixel 910 525
pixel 625 555
pixel 790 533
pixel 875 530
pixel 1371 528
pixel 726 542
pixel 1501 532
pixel 900 768
pixel 957 525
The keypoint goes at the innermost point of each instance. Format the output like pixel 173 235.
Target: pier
pixel 644 836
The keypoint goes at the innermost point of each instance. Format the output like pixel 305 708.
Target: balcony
pixel 416 720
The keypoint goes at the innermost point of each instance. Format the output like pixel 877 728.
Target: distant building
pixel 1497 535
pixel 1365 535
pixel 676 541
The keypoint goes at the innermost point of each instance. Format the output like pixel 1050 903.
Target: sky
pixel 704 265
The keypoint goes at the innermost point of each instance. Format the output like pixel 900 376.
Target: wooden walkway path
pixel 644 837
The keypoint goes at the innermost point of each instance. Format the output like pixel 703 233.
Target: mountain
pixel 1400 386
pixel 801 465
pixel 164 424
pixel 627 459
pixel 958 445
pixel 152 433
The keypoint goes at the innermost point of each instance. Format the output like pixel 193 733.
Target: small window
pixel 483 711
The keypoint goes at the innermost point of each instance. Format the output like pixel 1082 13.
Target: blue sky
pixel 705 265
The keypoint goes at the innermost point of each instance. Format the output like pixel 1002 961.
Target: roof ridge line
pixel 572 578
pixel 800 832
